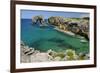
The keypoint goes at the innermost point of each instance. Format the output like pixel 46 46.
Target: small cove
pixel 47 38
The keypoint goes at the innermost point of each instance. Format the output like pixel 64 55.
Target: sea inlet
pixel 45 38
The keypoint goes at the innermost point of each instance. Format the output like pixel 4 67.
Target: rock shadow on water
pixel 65 45
pixel 57 40
pixel 43 26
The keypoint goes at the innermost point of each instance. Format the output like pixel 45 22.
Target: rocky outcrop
pixel 79 27
pixel 56 20
pixel 29 55
pixel 37 19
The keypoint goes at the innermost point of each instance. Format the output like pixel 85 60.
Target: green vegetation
pixel 69 54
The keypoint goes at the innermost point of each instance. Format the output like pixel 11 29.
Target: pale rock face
pixel 33 56
pixel 39 57
pixel 87 56
pixel 25 50
pixel 50 58
pixel 24 58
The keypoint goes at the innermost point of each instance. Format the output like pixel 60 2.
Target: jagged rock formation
pixel 56 20
pixel 29 55
pixel 37 19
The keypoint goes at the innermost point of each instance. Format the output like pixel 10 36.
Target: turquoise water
pixel 47 38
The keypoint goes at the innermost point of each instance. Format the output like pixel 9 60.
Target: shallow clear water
pixel 47 38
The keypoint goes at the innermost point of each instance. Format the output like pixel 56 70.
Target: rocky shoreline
pixel 66 32
pixel 29 55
